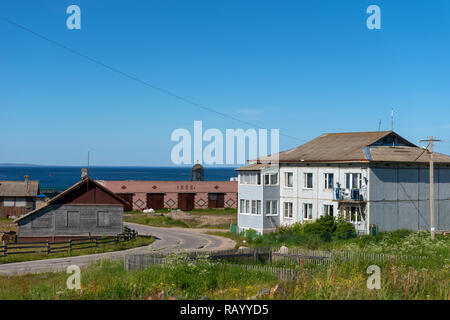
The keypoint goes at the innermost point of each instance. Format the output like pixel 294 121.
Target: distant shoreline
pixel 25 165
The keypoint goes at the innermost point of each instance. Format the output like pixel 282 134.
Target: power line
pixel 424 150
pixel 134 78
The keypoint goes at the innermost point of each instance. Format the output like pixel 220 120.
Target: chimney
pixel 27 182
pixel 84 173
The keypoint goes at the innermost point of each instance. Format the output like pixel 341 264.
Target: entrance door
pixel 216 200
pixel 155 201
pixel 186 201
pixel 128 197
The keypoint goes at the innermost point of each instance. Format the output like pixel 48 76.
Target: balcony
pixel 350 195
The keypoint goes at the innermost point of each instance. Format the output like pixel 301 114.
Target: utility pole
pixel 430 151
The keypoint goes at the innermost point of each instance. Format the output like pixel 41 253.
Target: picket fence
pixel 269 256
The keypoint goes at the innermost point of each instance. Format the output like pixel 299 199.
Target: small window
pixel 288 209
pixel 271 207
pixel 268 209
pixel 289 179
pixel 274 207
pixel 42 222
pixel 328 210
pixel 242 206
pixel 274 179
pixel 253 206
pixel 307 180
pixel 353 180
pixel 258 206
pixel 103 219
pixel 307 211
pixel 271 179
pixel 9 202
pixel 73 219
pixel 21 202
pixel 329 180
pixel 247 206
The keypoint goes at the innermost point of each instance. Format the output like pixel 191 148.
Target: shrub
pixel 344 229
pixel 325 224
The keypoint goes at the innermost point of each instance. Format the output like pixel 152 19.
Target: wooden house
pixel 18 197
pixel 87 209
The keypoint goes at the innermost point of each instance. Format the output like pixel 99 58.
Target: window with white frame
pixel 289 179
pixel 329 180
pixel 307 180
pixel 247 206
pixel 256 206
pixel 14 202
pixel 328 210
pixel 274 207
pixel 353 180
pixel 288 209
pixel 9 202
pixel 242 206
pixel 249 178
pixel 307 211
pixel 253 206
pixel 103 219
pixel 271 207
pixel 271 179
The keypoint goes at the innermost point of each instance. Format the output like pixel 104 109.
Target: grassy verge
pixel 157 221
pixel 397 242
pixel 344 280
pixel 169 222
pixel 108 280
pixel 219 212
pixel 7 224
pixel 138 242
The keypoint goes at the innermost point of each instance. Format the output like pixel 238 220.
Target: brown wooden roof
pixel 19 188
pixel 253 167
pixel 76 195
pixel 356 147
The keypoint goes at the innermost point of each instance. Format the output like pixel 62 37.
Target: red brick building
pixel 185 195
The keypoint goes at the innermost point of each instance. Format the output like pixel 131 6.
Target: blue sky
pixel 305 67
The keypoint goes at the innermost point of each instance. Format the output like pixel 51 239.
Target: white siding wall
pixel 318 196
pixel 260 192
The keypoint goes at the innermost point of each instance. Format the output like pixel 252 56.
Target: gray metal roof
pixel 19 188
pixel 363 147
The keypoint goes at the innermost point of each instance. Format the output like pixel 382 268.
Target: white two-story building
pixel 369 178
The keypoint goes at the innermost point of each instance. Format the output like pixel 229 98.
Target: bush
pixel 325 224
pixel 344 229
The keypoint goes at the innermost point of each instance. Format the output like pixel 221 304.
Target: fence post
pixel 70 245
pixel 96 243
pixel 5 248
pixel 48 247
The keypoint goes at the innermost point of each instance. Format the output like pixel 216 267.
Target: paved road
pixel 167 240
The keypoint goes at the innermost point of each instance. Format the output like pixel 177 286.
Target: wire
pixel 134 78
pixel 426 149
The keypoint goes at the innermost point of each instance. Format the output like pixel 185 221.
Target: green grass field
pixel 413 278
pixel 157 221
pixel 183 280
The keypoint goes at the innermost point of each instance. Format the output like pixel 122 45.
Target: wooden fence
pixel 268 256
pixel 141 261
pixel 46 247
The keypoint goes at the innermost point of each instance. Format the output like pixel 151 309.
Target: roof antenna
pixel 379 125
pixel 88 163
pixel 392 119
